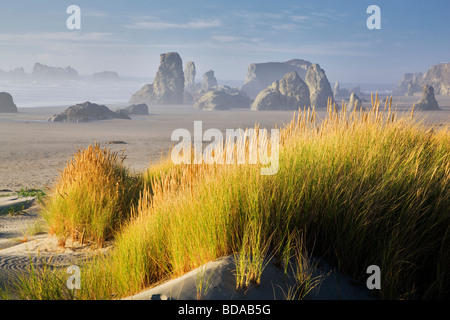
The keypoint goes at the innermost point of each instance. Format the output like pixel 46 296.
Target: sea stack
pixel 223 98
pixel 319 87
pixel 338 92
pixel 168 86
pixel 209 80
pixel 189 77
pixel 428 101
pixel 44 72
pixel 355 103
pixel 262 75
pixel 289 93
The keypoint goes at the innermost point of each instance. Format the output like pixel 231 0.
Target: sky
pixel 226 36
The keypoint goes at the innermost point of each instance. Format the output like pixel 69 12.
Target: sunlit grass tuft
pixel 92 197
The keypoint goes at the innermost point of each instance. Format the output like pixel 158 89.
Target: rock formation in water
pixel 338 92
pixel 209 80
pixel 144 95
pixel 319 87
pixel 223 98
pixel 358 91
pixel 262 75
pixel 188 98
pixel 43 72
pixel 7 104
pixel 408 85
pixel 17 74
pixel 428 101
pixel 355 103
pixel 189 77
pixel 85 112
pixel 168 85
pixel 106 76
pixel 438 76
pixel 289 93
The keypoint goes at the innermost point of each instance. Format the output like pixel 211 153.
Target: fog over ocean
pixel 29 94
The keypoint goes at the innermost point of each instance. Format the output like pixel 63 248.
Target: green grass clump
pixel 92 197
pixel 36 193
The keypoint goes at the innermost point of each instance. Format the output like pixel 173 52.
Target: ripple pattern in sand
pixel 14 265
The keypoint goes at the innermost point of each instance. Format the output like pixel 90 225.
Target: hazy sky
pixel 228 35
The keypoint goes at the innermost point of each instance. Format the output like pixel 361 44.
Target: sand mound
pixel 218 282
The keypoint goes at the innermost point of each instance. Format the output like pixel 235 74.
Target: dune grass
pixel 92 197
pixel 362 188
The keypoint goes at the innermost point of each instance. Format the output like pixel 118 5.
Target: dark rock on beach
pixel 135 109
pixel 87 111
pixel 7 104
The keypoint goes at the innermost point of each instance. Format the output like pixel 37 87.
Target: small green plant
pixel 252 258
pixel 203 285
pixel 16 209
pixel 36 193
pixel 305 281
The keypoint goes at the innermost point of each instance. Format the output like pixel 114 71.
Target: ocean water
pixel 368 88
pixel 66 93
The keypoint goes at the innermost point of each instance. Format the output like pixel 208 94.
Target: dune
pixel 217 282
